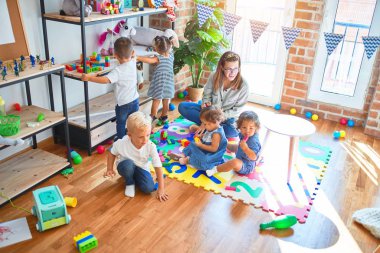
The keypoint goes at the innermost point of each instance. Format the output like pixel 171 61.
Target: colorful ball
pixel 277 107
pixel 342 133
pixel 336 134
pixel 314 117
pixel 351 123
pixel 293 111
pixel 185 93
pixel 343 121
pixel 171 107
pixel 100 149
pixel 308 115
pixel 17 107
pixel 180 95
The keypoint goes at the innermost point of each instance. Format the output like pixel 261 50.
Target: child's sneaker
pixel 130 190
pixel 162 120
pixel 211 172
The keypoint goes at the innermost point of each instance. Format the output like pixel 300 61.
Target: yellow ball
pixel 314 117
pixel 342 134
pixel 293 111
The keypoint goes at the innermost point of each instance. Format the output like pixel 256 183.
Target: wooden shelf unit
pixel 23 171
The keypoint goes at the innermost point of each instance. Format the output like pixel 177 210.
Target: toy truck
pixel 50 208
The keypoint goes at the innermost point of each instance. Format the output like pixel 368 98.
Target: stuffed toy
pixel 72 8
pixel 144 36
pixel 8 141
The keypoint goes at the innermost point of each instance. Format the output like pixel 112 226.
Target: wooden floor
pixel 194 220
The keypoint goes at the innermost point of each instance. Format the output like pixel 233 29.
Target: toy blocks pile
pixel 85 242
pixel 94 64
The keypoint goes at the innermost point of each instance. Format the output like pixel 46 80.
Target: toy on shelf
pixel 280 222
pixel 40 117
pixel 72 8
pixel 9 125
pixel 85 242
pixel 111 7
pixel 2 107
pixel 32 60
pixel 50 208
pixel 71 201
pixel 77 159
pixel 4 72
pixel 141 5
pixel 108 38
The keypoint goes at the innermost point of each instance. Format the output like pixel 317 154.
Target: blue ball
pixel 336 134
pixel 277 107
pixel 308 115
pixel 171 107
pixel 185 93
pixel 351 123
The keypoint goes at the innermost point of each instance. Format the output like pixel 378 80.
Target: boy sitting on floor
pixel 133 151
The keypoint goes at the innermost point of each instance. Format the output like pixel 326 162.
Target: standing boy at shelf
pixel 125 78
pixel 134 152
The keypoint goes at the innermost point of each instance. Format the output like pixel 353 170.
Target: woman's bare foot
pixel 184 160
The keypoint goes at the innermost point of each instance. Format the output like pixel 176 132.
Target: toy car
pixel 50 208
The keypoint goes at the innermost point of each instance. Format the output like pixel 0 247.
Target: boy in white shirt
pixel 125 78
pixel 133 152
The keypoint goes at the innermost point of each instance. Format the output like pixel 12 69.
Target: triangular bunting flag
pixel 204 12
pixel 257 28
pixel 371 43
pixel 158 3
pixel 332 40
pixel 290 34
pixel 230 21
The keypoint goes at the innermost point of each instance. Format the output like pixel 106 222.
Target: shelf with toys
pixel 97 17
pixel 92 131
pixel 25 170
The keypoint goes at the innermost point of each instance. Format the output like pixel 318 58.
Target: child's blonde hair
pixel 248 116
pixel 212 114
pixel 162 44
pixel 138 120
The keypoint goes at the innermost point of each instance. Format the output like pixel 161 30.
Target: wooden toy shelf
pixel 26 170
pixel 97 17
pixel 22 171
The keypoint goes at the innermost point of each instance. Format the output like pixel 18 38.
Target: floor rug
pixel 265 188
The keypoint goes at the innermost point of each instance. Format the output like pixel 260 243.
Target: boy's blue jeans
pixel 122 113
pixel 191 111
pixel 135 175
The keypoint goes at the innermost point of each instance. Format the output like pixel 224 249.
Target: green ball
pixel 181 95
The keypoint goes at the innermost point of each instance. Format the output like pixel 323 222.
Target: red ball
pixel 343 121
pixel 17 107
pixel 100 149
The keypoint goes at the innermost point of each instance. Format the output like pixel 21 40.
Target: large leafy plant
pixel 203 45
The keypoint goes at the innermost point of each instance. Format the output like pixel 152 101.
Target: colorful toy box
pixel 50 208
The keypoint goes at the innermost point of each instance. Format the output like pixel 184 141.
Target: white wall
pixel 64 46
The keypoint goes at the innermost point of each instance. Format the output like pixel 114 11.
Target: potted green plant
pixel 202 48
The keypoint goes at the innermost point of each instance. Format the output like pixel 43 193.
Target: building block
pixel 85 242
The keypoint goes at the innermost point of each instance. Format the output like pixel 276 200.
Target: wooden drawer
pixel 102 133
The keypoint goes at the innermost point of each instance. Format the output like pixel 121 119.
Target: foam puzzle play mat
pixel 266 187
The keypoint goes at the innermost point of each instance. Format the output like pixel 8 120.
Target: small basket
pixel 9 125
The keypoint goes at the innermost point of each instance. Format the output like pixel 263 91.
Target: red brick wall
pixel 308 16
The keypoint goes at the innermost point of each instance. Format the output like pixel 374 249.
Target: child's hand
pixel 207 104
pixel 243 145
pixel 161 195
pixel 85 77
pixel 109 173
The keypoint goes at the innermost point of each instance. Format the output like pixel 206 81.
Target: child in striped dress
pixel 162 85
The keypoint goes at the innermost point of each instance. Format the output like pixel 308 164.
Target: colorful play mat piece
pixel 265 188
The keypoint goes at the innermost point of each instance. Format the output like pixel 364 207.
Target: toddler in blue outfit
pixel 207 153
pixel 248 148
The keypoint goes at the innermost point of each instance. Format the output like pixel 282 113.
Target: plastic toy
pixel 2 106
pixel 32 124
pixel 67 172
pixel 336 135
pixel 277 107
pixel 185 142
pixel 100 149
pixel 77 159
pixel 72 8
pixel 351 123
pixel 49 208
pixel 141 5
pixel 71 201
pixel 196 139
pixel 163 135
pixel 180 95
pixel 314 117
pixel 280 222
pixel 185 93
pixel 17 107
pixel 343 121
pixel 342 133
pixel 40 117
pixel 293 111
pixel 85 242
pixel 171 107
pixel 32 60
pixel 308 115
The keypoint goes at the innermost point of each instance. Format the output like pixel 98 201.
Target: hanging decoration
pixel 230 21
pixel 257 28
pixel 204 12
pixel 332 40
pixel 158 3
pixel 371 43
pixel 290 34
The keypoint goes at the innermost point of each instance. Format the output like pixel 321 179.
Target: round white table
pixel 291 126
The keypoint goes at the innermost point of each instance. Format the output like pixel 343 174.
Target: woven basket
pixel 9 125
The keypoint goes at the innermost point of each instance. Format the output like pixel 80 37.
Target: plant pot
pixel 195 94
